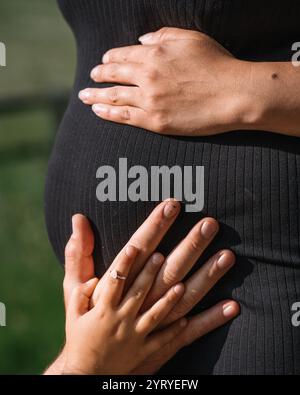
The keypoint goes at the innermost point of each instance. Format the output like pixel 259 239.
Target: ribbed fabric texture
pixel 251 178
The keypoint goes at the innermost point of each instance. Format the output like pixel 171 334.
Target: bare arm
pixel 182 82
pixel 271 100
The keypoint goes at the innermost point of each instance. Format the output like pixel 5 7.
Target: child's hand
pixel 79 270
pixel 113 337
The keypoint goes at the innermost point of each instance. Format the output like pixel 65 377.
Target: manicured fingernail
pixel 84 95
pixel 228 310
pixel 146 37
pixel 183 322
pixel 178 289
pixel 157 259
pixel 225 261
pixel 105 58
pixel 208 229
pixel 170 209
pixel 130 251
pixel 98 108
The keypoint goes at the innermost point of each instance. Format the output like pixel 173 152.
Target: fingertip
pixel 131 251
pixel 226 259
pixel 84 95
pixel 208 228
pixel 146 38
pixel 91 285
pixel 157 258
pixel 94 73
pixel 75 219
pixel 231 309
pixel 105 58
pixel 78 220
pixel 171 208
pixel 179 289
pixel 183 322
pixel 92 281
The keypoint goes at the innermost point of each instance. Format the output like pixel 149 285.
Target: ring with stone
pixel 114 274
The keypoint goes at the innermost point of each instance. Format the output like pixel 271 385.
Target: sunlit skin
pixel 182 82
pixel 96 307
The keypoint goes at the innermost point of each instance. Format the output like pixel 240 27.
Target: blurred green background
pixel 33 88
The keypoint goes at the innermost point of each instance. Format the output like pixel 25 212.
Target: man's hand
pixel 178 82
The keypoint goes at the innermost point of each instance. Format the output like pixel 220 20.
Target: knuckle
pixel 126 114
pixel 161 121
pixel 180 310
pixel 108 313
pixel 113 95
pixel 77 291
pixel 151 75
pixel 71 248
pixel 154 317
pixel 195 244
pixel 186 303
pixel 170 277
pixel 113 281
pixel 154 99
pixel 101 314
pixel 124 58
pixel 163 31
pixel 138 294
pixel 110 71
pixel 119 334
pixel 174 331
pixel 157 50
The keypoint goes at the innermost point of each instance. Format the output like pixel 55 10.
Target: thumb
pixel 79 264
pixel 80 299
pixel 169 33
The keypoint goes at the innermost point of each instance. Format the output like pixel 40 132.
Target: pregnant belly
pixel 250 185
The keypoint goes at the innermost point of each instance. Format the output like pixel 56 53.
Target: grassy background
pixel 40 59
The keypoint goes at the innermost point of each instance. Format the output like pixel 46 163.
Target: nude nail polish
pixel 208 229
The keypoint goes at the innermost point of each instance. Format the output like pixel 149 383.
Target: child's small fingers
pixel 154 316
pixel 137 293
pixel 113 284
pixel 159 339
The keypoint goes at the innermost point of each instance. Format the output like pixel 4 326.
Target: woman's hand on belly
pixel 179 82
pixel 182 82
pixel 151 300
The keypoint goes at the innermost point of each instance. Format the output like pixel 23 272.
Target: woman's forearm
pixel 270 98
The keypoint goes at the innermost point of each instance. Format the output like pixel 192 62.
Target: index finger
pixel 147 238
pixel 151 232
pixel 132 53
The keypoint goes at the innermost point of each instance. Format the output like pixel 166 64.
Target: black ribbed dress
pixel 251 177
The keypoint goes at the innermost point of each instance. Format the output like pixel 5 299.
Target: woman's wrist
pixel 243 106
pixel 253 96
pixel 267 97
pixel 239 105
